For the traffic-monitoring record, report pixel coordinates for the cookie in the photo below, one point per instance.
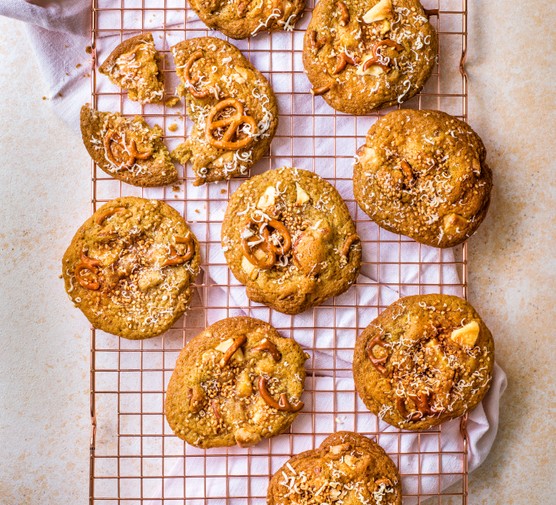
(237, 382)
(129, 268)
(423, 174)
(240, 19)
(362, 55)
(426, 359)
(135, 67)
(127, 149)
(287, 235)
(346, 468)
(232, 107)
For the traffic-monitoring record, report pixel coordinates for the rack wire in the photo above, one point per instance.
(135, 458)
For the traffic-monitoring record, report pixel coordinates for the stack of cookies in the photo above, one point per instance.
(288, 236)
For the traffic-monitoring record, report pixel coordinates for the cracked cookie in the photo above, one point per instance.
(127, 149)
(135, 67)
(129, 268)
(231, 104)
(237, 382)
(362, 55)
(425, 360)
(423, 174)
(346, 468)
(240, 19)
(289, 238)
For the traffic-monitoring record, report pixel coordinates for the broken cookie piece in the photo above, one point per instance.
(127, 148)
(134, 66)
(232, 106)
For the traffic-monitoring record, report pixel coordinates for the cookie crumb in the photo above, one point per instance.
(173, 127)
(172, 101)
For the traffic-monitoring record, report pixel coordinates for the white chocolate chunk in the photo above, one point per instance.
(467, 335)
(382, 10)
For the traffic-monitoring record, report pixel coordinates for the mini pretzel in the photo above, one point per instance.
(422, 402)
(178, 259)
(231, 123)
(283, 231)
(400, 405)
(197, 55)
(378, 363)
(120, 156)
(344, 13)
(270, 347)
(238, 342)
(103, 216)
(352, 239)
(132, 148)
(342, 61)
(283, 405)
(375, 60)
(322, 90)
(91, 265)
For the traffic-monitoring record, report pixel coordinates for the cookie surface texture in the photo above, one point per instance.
(346, 468)
(362, 55)
(127, 149)
(240, 19)
(287, 235)
(232, 106)
(426, 359)
(129, 268)
(237, 382)
(135, 66)
(423, 174)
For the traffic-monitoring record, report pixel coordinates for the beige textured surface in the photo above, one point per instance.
(44, 189)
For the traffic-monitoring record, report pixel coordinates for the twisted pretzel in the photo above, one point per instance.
(378, 363)
(238, 342)
(90, 264)
(178, 259)
(231, 123)
(283, 404)
(375, 60)
(197, 55)
(342, 61)
(270, 347)
(122, 153)
(270, 249)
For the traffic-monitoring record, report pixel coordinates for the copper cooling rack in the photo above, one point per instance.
(135, 458)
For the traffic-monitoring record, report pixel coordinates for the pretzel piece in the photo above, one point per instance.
(231, 124)
(283, 404)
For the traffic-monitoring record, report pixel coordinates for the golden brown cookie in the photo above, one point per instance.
(135, 66)
(426, 359)
(240, 19)
(237, 382)
(127, 149)
(129, 268)
(232, 106)
(423, 174)
(362, 55)
(288, 236)
(347, 468)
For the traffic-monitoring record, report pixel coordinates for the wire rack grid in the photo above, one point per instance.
(135, 458)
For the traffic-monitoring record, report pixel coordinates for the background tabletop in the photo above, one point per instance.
(45, 193)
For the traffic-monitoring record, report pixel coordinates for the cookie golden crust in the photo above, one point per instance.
(423, 174)
(127, 149)
(362, 55)
(426, 359)
(135, 66)
(347, 468)
(240, 19)
(289, 238)
(232, 106)
(237, 382)
(129, 268)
